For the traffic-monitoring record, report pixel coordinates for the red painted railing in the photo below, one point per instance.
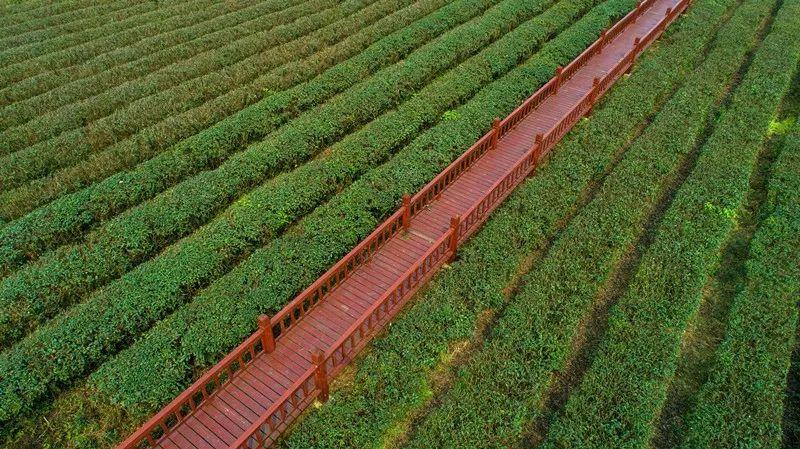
(451, 173)
(271, 423)
(264, 431)
(311, 296)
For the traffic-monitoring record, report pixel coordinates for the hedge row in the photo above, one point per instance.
(742, 402)
(502, 388)
(67, 217)
(21, 17)
(22, 12)
(73, 48)
(28, 13)
(57, 88)
(624, 389)
(23, 27)
(82, 127)
(78, 275)
(111, 250)
(192, 338)
(197, 104)
(396, 379)
(483, 283)
(136, 235)
(92, 331)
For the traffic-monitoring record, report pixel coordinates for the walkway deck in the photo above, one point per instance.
(249, 398)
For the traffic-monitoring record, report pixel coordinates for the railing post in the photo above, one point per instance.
(593, 95)
(603, 38)
(406, 211)
(663, 24)
(495, 132)
(633, 53)
(537, 143)
(455, 222)
(638, 9)
(537, 150)
(320, 374)
(559, 71)
(267, 339)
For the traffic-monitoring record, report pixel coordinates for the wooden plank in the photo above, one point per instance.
(202, 430)
(262, 383)
(176, 441)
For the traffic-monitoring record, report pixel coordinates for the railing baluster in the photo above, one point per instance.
(454, 225)
(495, 132)
(406, 211)
(267, 339)
(559, 72)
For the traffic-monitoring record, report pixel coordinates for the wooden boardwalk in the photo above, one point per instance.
(252, 395)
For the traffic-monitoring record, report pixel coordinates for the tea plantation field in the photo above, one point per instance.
(171, 169)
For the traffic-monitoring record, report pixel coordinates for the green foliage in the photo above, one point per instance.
(139, 233)
(73, 421)
(173, 31)
(21, 40)
(292, 63)
(63, 136)
(500, 390)
(217, 229)
(192, 337)
(93, 331)
(394, 379)
(68, 216)
(741, 405)
(28, 18)
(625, 387)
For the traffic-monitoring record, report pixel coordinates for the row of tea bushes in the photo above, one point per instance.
(133, 237)
(503, 387)
(156, 138)
(177, 30)
(263, 283)
(68, 218)
(625, 387)
(95, 329)
(395, 381)
(77, 124)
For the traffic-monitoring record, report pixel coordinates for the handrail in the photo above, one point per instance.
(609, 35)
(437, 185)
(325, 284)
(260, 432)
(221, 373)
(529, 104)
(257, 434)
(410, 279)
(187, 402)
